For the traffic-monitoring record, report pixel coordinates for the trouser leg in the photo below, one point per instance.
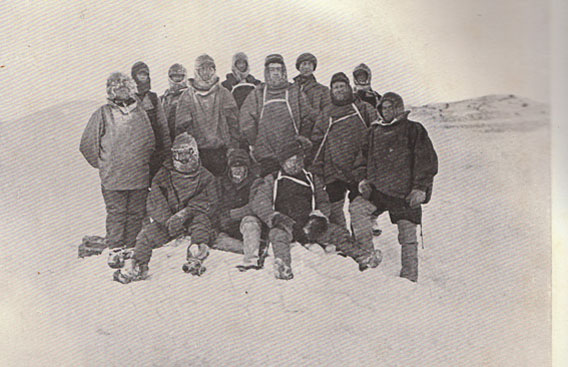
(224, 242)
(116, 208)
(280, 240)
(136, 210)
(337, 215)
(151, 236)
(360, 211)
(250, 229)
(409, 249)
(344, 243)
(200, 229)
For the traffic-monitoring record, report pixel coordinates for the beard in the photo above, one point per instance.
(186, 167)
(342, 99)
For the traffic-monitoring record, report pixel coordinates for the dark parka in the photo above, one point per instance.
(318, 94)
(240, 90)
(343, 154)
(401, 155)
(269, 139)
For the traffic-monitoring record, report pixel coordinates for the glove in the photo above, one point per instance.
(175, 224)
(316, 227)
(415, 198)
(283, 222)
(365, 189)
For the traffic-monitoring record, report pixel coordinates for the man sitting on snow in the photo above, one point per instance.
(289, 201)
(182, 202)
(240, 229)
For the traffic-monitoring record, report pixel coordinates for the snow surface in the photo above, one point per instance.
(483, 297)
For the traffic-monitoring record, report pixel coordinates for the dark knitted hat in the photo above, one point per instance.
(238, 157)
(339, 77)
(138, 67)
(274, 58)
(306, 57)
(289, 150)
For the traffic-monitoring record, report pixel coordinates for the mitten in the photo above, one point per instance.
(415, 198)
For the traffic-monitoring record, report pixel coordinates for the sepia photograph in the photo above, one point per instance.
(282, 183)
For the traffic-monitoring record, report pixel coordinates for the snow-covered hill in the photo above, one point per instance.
(482, 299)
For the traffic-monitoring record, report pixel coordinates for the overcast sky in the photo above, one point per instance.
(428, 50)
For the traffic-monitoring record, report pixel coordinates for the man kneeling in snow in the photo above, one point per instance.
(289, 201)
(182, 202)
(401, 166)
(240, 229)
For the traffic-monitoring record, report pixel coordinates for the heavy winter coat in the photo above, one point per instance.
(267, 129)
(211, 117)
(234, 198)
(171, 192)
(119, 141)
(170, 101)
(240, 89)
(318, 94)
(263, 198)
(340, 138)
(401, 158)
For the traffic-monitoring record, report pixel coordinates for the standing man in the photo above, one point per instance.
(340, 138)
(119, 142)
(362, 81)
(240, 82)
(401, 167)
(318, 94)
(177, 78)
(275, 113)
(150, 102)
(209, 113)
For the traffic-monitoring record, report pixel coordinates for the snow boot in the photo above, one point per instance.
(373, 260)
(194, 266)
(409, 261)
(117, 257)
(281, 270)
(92, 245)
(196, 254)
(132, 271)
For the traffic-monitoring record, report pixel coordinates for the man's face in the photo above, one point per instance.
(241, 65)
(185, 160)
(387, 111)
(238, 173)
(142, 76)
(340, 90)
(293, 165)
(361, 77)
(122, 93)
(276, 72)
(177, 77)
(206, 72)
(306, 68)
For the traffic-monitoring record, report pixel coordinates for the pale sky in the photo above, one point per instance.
(428, 50)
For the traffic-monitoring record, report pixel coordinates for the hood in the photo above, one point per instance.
(367, 84)
(275, 59)
(198, 82)
(398, 104)
(177, 69)
(139, 66)
(118, 80)
(240, 75)
(306, 57)
(238, 157)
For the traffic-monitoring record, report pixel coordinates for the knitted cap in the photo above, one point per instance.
(138, 67)
(185, 142)
(274, 58)
(238, 157)
(177, 69)
(306, 57)
(339, 77)
(289, 150)
(204, 60)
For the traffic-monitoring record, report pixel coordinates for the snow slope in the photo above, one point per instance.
(482, 299)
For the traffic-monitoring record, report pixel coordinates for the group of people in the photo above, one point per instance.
(245, 165)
